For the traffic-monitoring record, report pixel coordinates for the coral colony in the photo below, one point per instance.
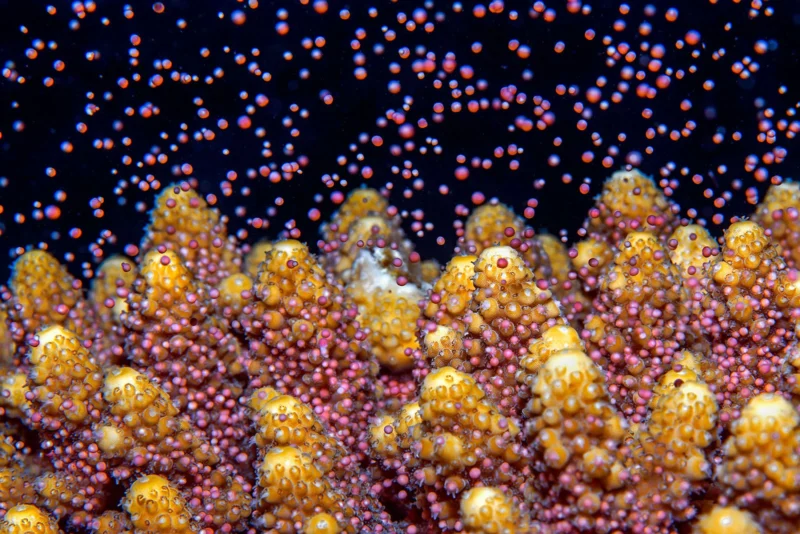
(640, 377)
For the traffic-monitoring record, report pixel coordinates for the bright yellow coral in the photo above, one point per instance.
(302, 332)
(629, 202)
(410, 415)
(282, 420)
(59, 493)
(390, 434)
(641, 303)
(592, 255)
(750, 286)
(166, 282)
(44, 293)
(388, 307)
(304, 470)
(156, 506)
(444, 388)
(457, 434)
(642, 272)
(690, 248)
(63, 377)
(290, 283)
(254, 258)
(441, 393)
(359, 204)
(760, 472)
(748, 254)
(292, 488)
(553, 340)
(127, 391)
(569, 388)
(674, 446)
(632, 194)
(113, 522)
(286, 469)
(779, 213)
(112, 275)
(13, 393)
(28, 519)
(687, 367)
(495, 224)
(16, 477)
(508, 311)
(486, 227)
(171, 320)
(577, 435)
(507, 296)
(452, 292)
(488, 510)
(321, 523)
(557, 254)
(444, 346)
(183, 222)
(15, 487)
(726, 520)
(231, 289)
(391, 316)
(383, 437)
(145, 416)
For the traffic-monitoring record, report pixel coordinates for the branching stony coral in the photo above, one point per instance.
(360, 203)
(305, 478)
(639, 321)
(181, 221)
(577, 438)
(760, 472)
(154, 505)
(488, 510)
(507, 311)
(645, 381)
(747, 313)
(496, 224)
(672, 450)
(385, 292)
(452, 292)
(691, 248)
(779, 213)
(42, 293)
(455, 439)
(630, 202)
(727, 520)
(304, 339)
(108, 296)
(254, 256)
(28, 519)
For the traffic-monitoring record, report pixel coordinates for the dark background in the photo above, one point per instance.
(50, 114)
